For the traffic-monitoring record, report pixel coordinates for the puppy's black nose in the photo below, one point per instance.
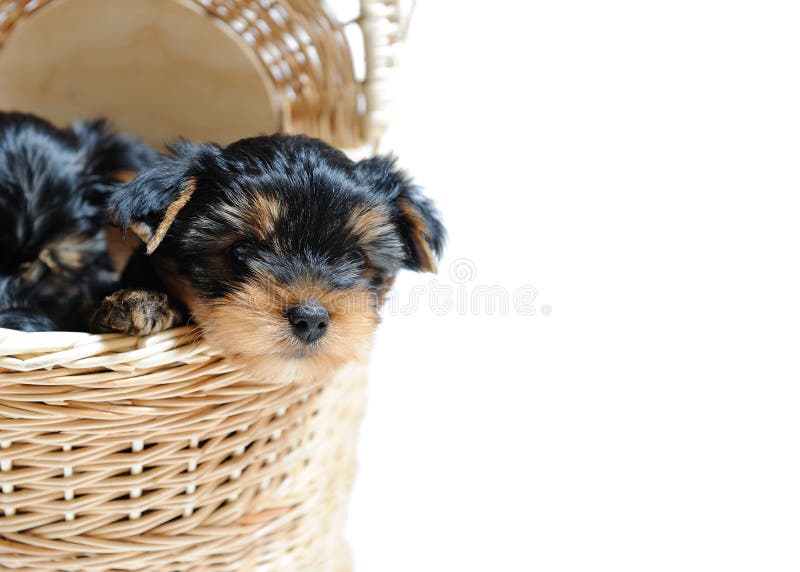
(309, 321)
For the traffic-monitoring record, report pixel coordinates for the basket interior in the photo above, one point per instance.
(214, 70)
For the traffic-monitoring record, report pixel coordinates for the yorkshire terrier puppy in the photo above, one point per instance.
(54, 186)
(279, 248)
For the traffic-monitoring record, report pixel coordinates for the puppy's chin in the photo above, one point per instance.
(279, 369)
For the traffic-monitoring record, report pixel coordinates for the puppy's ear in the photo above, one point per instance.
(148, 205)
(415, 215)
(117, 156)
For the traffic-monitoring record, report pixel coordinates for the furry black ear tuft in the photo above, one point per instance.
(416, 216)
(148, 205)
(116, 155)
(108, 157)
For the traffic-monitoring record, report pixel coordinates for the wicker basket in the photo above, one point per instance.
(156, 453)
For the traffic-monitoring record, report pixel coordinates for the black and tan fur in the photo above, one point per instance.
(54, 248)
(263, 241)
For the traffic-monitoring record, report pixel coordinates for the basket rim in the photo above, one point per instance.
(22, 351)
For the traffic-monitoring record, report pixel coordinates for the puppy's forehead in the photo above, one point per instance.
(254, 213)
(305, 215)
(297, 198)
(309, 198)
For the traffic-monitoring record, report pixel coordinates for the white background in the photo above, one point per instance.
(637, 163)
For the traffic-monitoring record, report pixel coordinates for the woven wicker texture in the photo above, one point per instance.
(122, 453)
(306, 55)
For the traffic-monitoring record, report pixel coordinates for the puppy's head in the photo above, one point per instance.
(281, 247)
(54, 185)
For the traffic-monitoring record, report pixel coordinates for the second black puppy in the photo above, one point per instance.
(280, 248)
(54, 185)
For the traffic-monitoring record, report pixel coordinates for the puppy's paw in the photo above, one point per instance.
(135, 313)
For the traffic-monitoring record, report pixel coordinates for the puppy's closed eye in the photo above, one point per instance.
(241, 253)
